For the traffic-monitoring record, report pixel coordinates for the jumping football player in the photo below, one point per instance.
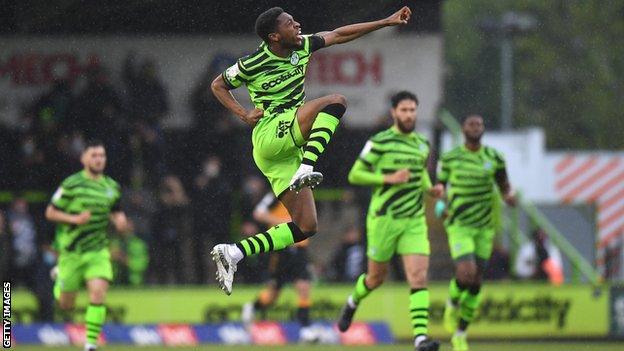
(289, 134)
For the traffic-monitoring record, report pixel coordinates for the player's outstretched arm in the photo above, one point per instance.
(222, 92)
(353, 31)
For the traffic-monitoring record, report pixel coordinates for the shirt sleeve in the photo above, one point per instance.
(234, 75)
(362, 171)
(316, 42)
(61, 198)
(370, 154)
(500, 161)
(116, 205)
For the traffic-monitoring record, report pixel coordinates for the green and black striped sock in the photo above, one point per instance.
(94, 320)
(276, 238)
(322, 131)
(419, 311)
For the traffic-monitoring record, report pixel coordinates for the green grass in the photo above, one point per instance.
(475, 346)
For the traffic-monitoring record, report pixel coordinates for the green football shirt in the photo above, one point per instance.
(471, 179)
(388, 152)
(79, 193)
(274, 83)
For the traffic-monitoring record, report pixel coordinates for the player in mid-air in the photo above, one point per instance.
(82, 208)
(289, 133)
(285, 266)
(471, 171)
(394, 163)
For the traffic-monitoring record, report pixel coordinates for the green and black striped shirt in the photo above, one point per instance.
(471, 179)
(388, 152)
(79, 193)
(275, 83)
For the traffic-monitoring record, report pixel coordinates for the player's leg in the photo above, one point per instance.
(302, 210)
(413, 246)
(381, 239)
(304, 225)
(269, 294)
(66, 300)
(317, 121)
(98, 274)
(416, 267)
(303, 287)
(461, 245)
(67, 280)
(265, 299)
(471, 274)
(367, 282)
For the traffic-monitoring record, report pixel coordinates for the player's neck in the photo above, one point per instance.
(400, 131)
(94, 176)
(279, 50)
(473, 146)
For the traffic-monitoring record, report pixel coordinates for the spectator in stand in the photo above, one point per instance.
(539, 259)
(98, 110)
(33, 168)
(5, 249)
(212, 212)
(27, 266)
(347, 262)
(130, 257)
(98, 114)
(151, 151)
(147, 96)
(52, 110)
(212, 123)
(498, 266)
(171, 255)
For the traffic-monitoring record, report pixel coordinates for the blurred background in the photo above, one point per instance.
(547, 76)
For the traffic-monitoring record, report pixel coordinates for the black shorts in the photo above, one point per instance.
(289, 265)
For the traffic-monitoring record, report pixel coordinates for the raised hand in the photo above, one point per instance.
(400, 17)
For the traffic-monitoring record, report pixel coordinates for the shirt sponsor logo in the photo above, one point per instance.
(284, 77)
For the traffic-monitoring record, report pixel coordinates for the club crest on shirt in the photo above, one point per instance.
(487, 165)
(294, 58)
(109, 193)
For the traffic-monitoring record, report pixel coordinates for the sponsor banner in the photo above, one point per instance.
(177, 334)
(366, 71)
(508, 309)
(617, 311)
(261, 333)
(77, 334)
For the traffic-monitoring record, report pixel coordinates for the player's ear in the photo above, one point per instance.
(274, 37)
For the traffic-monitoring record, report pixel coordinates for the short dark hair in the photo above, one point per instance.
(266, 23)
(93, 143)
(403, 95)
